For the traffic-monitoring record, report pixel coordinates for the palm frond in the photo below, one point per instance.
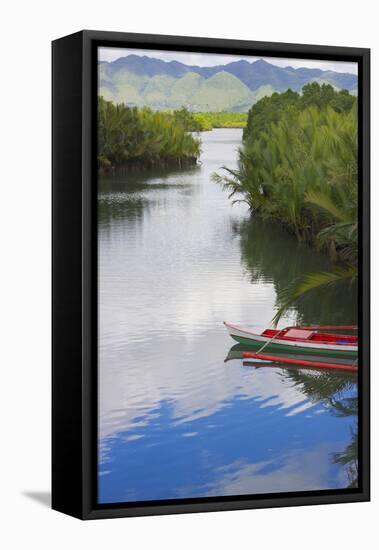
(326, 203)
(289, 296)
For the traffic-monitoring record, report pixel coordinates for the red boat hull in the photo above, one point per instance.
(301, 362)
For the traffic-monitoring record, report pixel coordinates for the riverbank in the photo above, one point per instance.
(298, 166)
(138, 138)
(141, 165)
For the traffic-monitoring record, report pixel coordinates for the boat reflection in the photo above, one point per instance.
(237, 351)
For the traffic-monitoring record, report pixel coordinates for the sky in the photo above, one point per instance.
(209, 60)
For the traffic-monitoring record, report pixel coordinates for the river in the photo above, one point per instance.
(176, 259)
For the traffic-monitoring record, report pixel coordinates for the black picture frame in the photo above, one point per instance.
(74, 294)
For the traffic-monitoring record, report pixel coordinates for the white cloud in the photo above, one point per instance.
(297, 471)
(209, 60)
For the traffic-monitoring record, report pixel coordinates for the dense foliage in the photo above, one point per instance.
(210, 120)
(129, 135)
(187, 119)
(298, 167)
(199, 122)
(278, 106)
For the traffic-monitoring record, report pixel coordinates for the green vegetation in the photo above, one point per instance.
(199, 122)
(188, 120)
(278, 107)
(127, 135)
(298, 167)
(210, 120)
(270, 253)
(337, 392)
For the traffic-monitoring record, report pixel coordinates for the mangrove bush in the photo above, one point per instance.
(298, 167)
(128, 135)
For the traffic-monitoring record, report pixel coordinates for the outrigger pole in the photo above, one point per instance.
(301, 362)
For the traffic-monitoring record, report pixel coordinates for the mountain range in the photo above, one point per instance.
(141, 80)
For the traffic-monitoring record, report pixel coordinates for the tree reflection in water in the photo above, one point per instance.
(270, 254)
(339, 393)
(349, 458)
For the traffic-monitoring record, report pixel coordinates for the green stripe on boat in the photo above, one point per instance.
(298, 349)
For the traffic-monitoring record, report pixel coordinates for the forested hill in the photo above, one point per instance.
(145, 81)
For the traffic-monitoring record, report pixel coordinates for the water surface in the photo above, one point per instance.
(176, 259)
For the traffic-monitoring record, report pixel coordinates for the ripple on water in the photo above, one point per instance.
(176, 259)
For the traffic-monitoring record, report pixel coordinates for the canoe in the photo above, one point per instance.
(263, 358)
(296, 340)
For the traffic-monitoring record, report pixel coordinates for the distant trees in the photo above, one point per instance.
(202, 121)
(128, 135)
(269, 110)
(210, 120)
(188, 120)
(279, 105)
(321, 96)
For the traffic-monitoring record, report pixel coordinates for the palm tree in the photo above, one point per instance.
(311, 282)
